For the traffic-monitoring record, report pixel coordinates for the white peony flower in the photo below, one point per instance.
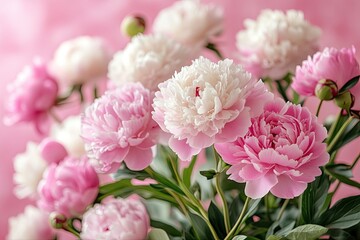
(207, 103)
(148, 59)
(275, 43)
(29, 168)
(68, 134)
(33, 224)
(190, 22)
(80, 60)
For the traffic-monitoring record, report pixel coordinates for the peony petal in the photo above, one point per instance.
(288, 188)
(138, 159)
(260, 187)
(182, 149)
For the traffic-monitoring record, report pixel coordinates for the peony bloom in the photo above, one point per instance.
(68, 188)
(31, 96)
(29, 168)
(148, 59)
(190, 23)
(207, 103)
(118, 127)
(117, 219)
(276, 43)
(68, 133)
(80, 60)
(282, 151)
(337, 65)
(33, 224)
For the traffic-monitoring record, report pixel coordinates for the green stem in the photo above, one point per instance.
(221, 192)
(338, 134)
(355, 161)
(333, 127)
(319, 107)
(239, 220)
(71, 229)
(282, 210)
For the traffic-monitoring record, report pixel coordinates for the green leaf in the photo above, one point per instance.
(125, 173)
(314, 198)
(235, 209)
(166, 182)
(344, 214)
(349, 84)
(339, 234)
(253, 206)
(351, 133)
(306, 232)
(188, 172)
(157, 234)
(166, 227)
(200, 227)
(343, 173)
(273, 237)
(209, 174)
(216, 219)
(243, 237)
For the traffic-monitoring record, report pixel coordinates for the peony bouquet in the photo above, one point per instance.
(179, 146)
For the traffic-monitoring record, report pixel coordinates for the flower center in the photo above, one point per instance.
(197, 91)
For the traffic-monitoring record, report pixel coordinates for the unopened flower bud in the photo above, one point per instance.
(57, 220)
(326, 89)
(132, 25)
(345, 100)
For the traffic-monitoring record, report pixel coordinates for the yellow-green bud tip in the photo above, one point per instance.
(132, 25)
(345, 100)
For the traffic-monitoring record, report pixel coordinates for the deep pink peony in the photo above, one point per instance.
(337, 65)
(118, 127)
(31, 96)
(116, 219)
(207, 103)
(281, 152)
(68, 188)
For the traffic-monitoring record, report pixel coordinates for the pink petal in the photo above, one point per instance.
(287, 188)
(260, 187)
(270, 156)
(182, 149)
(138, 159)
(248, 172)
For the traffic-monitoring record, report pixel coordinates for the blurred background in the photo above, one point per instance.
(37, 27)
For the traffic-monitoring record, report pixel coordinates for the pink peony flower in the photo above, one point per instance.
(118, 127)
(207, 103)
(281, 152)
(190, 23)
(337, 65)
(276, 42)
(117, 219)
(68, 188)
(31, 96)
(33, 224)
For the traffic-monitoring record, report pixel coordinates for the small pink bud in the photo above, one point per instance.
(57, 220)
(133, 25)
(52, 151)
(326, 89)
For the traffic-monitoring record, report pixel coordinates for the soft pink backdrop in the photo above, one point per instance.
(29, 28)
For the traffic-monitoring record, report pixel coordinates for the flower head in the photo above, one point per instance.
(118, 127)
(189, 22)
(68, 188)
(148, 59)
(333, 64)
(281, 152)
(32, 224)
(80, 60)
(206, 103)
(31, 96)
(276, 43)
(116, 219)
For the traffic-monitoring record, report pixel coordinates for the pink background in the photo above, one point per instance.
(30, 28)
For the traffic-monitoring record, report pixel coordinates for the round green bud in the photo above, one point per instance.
(326, 89)
(132, 25)
(57, 220)
(345, 100)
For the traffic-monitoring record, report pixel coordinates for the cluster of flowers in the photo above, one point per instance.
(162, 92)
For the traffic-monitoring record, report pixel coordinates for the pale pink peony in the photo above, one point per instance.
(31, 96)
(32, 224)
(80, 60)
(68, 188)
(148, 59)
(282, 151)
(116, 219)
(337, 65)
(207, 103)
(190, 22)
(276, 42)
(118, 127)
